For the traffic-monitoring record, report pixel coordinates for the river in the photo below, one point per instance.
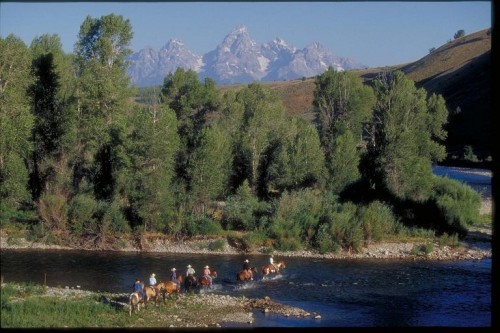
(346, 293)
(357, 293)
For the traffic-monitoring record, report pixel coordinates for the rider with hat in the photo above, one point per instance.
(173, 276)
(190, 271)
(206, 273)
(138, 287)
(152, 280)
(246, 267)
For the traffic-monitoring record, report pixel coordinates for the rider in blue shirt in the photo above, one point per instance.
(173, 276)
(139, 288)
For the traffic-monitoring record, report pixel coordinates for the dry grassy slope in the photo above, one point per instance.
(297, 95)
(459, 70)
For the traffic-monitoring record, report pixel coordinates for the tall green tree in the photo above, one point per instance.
(296, 160)
(210, 167)
(192, 102)
(16, 121)
(152, 147)
(262, 123)
(104, 97)
(342, 105)
(402, 148)
(51, 111)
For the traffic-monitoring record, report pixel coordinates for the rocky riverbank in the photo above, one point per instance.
(477, 245)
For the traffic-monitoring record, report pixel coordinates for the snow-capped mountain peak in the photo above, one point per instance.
(237, 59)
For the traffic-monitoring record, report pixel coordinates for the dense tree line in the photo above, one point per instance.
(79, 151)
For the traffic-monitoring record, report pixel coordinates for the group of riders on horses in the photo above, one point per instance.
(247, 274)
(139, 286)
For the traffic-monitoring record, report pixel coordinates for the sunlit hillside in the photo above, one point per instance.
(459, 70)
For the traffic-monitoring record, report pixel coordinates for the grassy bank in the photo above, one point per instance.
(30, 306)
(36, 306)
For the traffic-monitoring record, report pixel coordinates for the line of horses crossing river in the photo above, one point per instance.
(193, 283)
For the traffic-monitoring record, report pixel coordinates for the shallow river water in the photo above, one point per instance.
(357, 293)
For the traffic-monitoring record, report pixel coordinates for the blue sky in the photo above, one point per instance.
(373, 33)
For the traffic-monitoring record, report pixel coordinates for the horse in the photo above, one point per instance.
(270, 268)
(190, 282)
(246, 275)
(203, 281)
(150, 292)
(169, 288)
(135, 302)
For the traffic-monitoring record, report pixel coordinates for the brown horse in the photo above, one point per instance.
(135, 302)
(246, 275)
(203, 281)
(150, 293)
(168, 288)
(269, 268)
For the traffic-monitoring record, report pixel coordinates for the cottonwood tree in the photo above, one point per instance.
(192, 101)
(16, 121)
(152, 148)
(403, 143)
(210, 167)
(262, 123)
(52, 111)
(104, 97)
(342, 104)
(295, 160)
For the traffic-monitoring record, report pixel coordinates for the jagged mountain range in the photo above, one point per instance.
(238, 59)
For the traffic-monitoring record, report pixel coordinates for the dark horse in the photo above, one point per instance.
(190, 282)
(203, 281)
(246, 275)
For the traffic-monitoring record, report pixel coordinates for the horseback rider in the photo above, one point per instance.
(152, 282)
(138, 286)
(173, 276)
(246, 267)
(206, 273)
(190, 271)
